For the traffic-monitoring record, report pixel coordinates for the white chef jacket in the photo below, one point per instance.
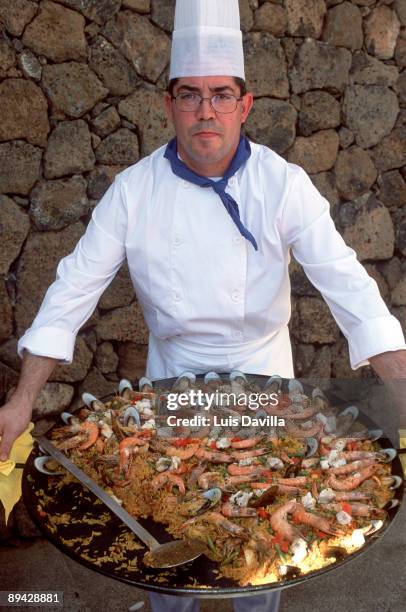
(210, 300)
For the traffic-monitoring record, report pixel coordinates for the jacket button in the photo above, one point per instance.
(177, 297)
(176, 241)
(185, 184)
(235, 296)
(237, 239)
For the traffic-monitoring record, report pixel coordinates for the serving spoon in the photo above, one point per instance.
(170, 554)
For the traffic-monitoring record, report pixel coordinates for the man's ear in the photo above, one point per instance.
(168, 106)
(246, 105)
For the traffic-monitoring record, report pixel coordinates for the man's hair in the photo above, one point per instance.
(238, 81)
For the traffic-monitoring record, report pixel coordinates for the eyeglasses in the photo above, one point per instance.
(189, 102)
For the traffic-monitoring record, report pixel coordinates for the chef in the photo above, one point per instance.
(207, 224)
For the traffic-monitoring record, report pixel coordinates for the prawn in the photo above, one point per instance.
(358, 509)
(210, 479)
(185, 453)
(351, 467)
(213, 456)
(161, 479)
(247, 443)
(351, 495)
(295, 431)
(87, 430)
(231, 510)
(237, 455)
(220, 521)
(308, 518)
(128, 447)
(279, 521)
(352, 482)
(243, 470)
(299, 481)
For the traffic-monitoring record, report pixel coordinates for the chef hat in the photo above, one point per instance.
(207, 39)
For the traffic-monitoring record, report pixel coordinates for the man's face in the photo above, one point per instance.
(207, 139)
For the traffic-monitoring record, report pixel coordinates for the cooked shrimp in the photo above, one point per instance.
(87, 434)
(248, 443)
(299, 481)
(357, 455)
(355, 466)
(243, 470)
(128, 447)
(351, 495)
(287, 490)
(314, 520)
(307, 413)
(237, 455)
(231, 510)
(195, 473)
(298, 432)
(161, 479)
(236, 480)
(358, 509)
(213, 456)
(182, 453)
(210, 479)
(219, 520)
(352, 482)
(279, 521)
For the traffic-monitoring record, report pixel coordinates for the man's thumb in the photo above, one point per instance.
(5, 446)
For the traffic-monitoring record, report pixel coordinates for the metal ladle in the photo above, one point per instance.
(171, 554)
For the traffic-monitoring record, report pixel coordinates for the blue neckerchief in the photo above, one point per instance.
(242, 154)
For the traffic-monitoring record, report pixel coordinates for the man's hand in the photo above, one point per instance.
(16, 413)
(14, 418)
(391, 368)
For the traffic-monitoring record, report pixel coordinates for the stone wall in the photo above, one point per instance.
(81, 85)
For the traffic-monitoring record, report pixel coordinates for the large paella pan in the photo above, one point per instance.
(275, 505)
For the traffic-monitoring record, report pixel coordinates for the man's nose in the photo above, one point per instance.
(205, 110)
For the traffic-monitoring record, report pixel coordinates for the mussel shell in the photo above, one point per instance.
(397, 482)
(189, 375)
(312, 445)
(39, 463)
(88, 399)
(387, 454)
(290, 571)
(375, 434)
(66, 417)
(350, 410)
(123, 385)
(237, 374)
(131, 413)
(392, 503)
(317, 392)
(375, 526)
(295, 386)
(266, 498)
(145, 382)
(274, 380)
(335, 551)
(213, 495)
(211, 376)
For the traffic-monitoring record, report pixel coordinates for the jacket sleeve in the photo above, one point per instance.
(332, 267)
(81, 278)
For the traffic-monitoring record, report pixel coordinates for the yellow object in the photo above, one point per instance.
(10, 476)
(402, 437)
